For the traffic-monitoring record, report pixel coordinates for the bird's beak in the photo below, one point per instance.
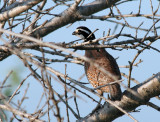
(74, 33)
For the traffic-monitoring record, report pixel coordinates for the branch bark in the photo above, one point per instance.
(72, 15)
(20, 113)
(148, 89)
(17, 8)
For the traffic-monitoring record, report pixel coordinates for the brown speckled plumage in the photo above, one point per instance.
(95, 76)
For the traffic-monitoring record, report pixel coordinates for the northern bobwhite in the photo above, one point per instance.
(103, 59)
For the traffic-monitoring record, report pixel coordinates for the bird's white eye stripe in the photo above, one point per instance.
(84, 31)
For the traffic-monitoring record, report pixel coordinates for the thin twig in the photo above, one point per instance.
(19, 86)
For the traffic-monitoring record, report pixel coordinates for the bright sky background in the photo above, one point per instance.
(149, 66)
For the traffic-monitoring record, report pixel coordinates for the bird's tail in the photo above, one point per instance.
(115, 92)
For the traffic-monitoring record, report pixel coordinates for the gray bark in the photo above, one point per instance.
(148, 89)
(17, 8)
(72, 15)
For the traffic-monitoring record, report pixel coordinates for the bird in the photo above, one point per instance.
(101, 57)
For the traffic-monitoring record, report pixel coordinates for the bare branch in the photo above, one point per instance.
(69, 17)
(17, 8)
(129, 102)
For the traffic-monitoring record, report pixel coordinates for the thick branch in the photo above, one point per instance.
(148, 89)
(68, 16)
(72, 15)
(17, 8)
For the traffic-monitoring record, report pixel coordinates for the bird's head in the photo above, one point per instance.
(84, 33)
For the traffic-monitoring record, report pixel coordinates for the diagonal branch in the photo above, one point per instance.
(148, 89)
(7, 107)
(72, 15)
(17, 8)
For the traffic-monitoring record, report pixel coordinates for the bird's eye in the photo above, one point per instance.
(79, 31)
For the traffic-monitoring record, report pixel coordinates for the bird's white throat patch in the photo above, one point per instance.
(80, 36)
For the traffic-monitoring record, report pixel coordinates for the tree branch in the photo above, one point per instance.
(72, 15)
(20, 113)
(148, 89)
(17, 8)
